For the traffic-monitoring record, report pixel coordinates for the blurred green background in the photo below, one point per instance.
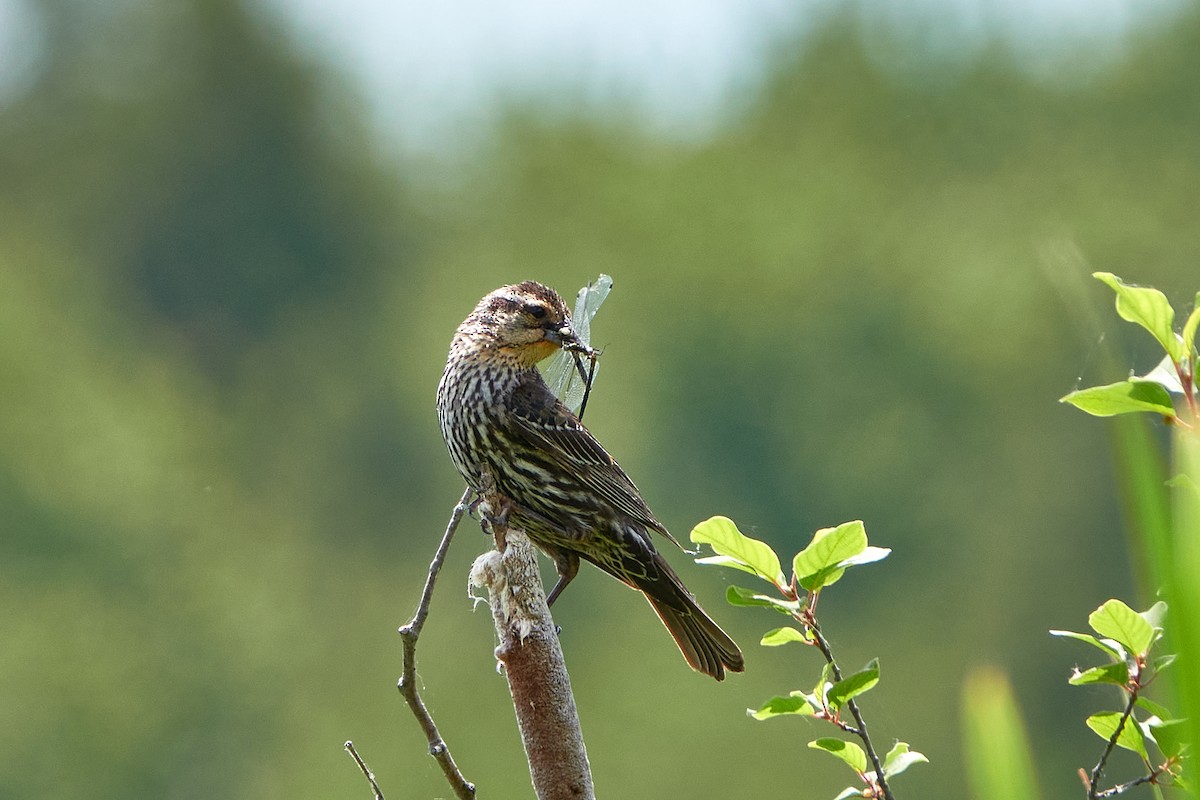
(225, 306)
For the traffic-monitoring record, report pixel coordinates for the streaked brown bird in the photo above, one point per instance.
(568, 494)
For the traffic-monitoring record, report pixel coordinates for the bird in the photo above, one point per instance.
(508, 434)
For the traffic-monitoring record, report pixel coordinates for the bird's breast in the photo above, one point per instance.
(470, 401)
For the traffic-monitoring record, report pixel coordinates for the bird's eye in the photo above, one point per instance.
(536, 311)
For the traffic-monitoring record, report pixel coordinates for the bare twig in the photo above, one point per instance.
(463, 789)
(362, 765)
(861, 731)
(1121, 788)
(533, 663)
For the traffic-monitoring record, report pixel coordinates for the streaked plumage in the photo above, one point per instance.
(569, 495)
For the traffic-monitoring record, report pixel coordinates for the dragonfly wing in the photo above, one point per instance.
(561, 370)
(590, 297)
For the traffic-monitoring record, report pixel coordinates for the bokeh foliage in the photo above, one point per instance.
(223, 312)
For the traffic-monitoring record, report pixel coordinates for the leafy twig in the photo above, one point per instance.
(1098, 770)
(810, 621)
(823, 562)
(463, 789)
(1126, 637)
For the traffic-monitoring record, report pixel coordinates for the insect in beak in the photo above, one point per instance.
(567, 339)
(593, 356)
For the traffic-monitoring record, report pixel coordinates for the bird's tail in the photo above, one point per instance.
(704, 645)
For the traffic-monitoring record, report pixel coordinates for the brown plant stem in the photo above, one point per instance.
(533, 664)
(366, 771)
(1121, 788)
(861, 732)
(1098, 770)
(463, 789)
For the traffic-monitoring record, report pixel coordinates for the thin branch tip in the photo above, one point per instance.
(366, 771)
(406, 685)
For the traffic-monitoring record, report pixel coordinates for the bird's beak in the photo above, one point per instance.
(565, 338)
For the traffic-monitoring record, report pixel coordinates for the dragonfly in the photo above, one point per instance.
(564, 371)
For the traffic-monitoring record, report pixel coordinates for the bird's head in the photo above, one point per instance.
(527, 321)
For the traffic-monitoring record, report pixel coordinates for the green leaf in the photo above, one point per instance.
(868, 556)
(1116, 672)
(819, 564)
(778, 636)
(1155, 615)
(848, 752)
(1154, 708)
(1165, 375)
(723, 536)
(1146, 307)
(1127, 397)
(1170, 735)
(1105, 725)
(900, 758)
(727, 561)
(1107, 645)
(741, 596)
(819, 580)
(862, 681)
(1121, 623)
(792, 705)
(1163, 661)
(1190, 327)
(821, 690)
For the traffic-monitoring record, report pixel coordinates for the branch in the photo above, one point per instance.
(463, 789)
(1094, 780)
(1121, 788)
(362, 765)
(861, 732)
(533, 664)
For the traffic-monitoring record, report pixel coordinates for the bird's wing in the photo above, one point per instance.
(546, 424)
